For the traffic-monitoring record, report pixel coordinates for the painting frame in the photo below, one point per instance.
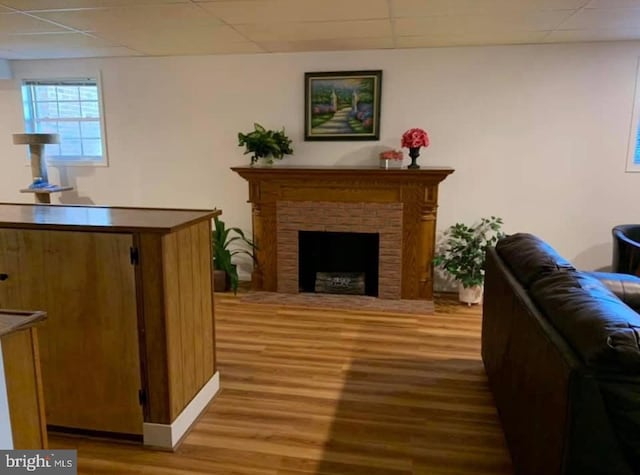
(357, 103)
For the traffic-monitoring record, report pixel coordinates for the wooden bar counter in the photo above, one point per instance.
(128, 348)
(22, 413)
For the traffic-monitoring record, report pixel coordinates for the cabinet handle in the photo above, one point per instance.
(4, 277)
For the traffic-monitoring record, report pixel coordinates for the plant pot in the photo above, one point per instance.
(470, 295)
(220, 281)
(264, 162)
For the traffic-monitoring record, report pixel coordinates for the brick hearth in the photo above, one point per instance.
(382, 218)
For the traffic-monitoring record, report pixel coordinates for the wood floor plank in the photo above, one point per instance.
(313, 391)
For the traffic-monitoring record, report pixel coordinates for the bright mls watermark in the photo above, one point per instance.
(50, 462)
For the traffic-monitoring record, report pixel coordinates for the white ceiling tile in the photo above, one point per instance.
(186, 36)
(488, 38)
(271, 11)
(459, 25)
(346, 44)
(34, 5)
(200, 40)
(53, 45)
(614, 18)
(414, 8)
(129, 18)
(613, 3)
(622, 34)
(19, 23)
(49, 51)
(177, 49)
(60, 39)
(316, 30)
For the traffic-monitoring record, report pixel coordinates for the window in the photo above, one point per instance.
(633, 159)
(70, 108)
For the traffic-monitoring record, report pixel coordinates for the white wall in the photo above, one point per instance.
(537, 134)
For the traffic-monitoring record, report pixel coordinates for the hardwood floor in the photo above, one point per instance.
(310, 391)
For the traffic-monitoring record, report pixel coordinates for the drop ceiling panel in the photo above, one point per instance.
(605, 19)
(53, 51)
(457, 25)
(613, 3)
(488, 38)
(19, 23)
(30, 5)
(327, 45)
(61, 45)
(14, 42)
(272, 11)
(622, 34)
(316, 30)
(179, 41)
(414, 8)
(133, 18)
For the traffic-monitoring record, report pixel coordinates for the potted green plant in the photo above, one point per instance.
(266, 144)
(462, 255)
(228, 242)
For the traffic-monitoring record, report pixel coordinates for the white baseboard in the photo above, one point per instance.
(167, 436)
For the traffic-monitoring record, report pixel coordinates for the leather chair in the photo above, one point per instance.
(626, 249)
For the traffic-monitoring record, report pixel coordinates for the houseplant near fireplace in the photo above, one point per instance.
(265, 144)
(222, 240)
(462, 255)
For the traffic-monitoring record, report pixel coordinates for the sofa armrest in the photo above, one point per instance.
(625, 286)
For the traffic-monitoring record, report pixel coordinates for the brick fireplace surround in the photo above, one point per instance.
(401, 205)
(382, 218)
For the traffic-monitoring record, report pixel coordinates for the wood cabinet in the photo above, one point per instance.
(129, 341)
(22, 413)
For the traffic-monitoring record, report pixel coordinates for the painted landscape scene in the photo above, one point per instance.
(342, 106)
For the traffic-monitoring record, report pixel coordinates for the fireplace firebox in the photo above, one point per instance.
(343, 257)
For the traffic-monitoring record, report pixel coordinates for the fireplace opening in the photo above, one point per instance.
(334, 262)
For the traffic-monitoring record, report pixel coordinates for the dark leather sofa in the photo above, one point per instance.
(561, 351)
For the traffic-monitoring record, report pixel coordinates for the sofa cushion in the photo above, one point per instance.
(625, 286)
(530, 258)
(597, 324)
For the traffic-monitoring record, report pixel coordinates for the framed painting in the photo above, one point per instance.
(342, 105)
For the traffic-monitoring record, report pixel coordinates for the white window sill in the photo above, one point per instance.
(75, 163)
(633, 167)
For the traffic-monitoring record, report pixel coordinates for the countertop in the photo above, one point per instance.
(13, 320)
(98, 218)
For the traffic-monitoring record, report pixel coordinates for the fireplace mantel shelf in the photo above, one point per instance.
(319, 172)
(400, 204)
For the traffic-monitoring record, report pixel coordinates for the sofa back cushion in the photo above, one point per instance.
(530, 258)
(597, 324)
(625, 286)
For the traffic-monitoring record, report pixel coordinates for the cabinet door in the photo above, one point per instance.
(89, 342)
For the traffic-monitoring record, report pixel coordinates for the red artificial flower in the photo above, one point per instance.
(391, 155)
(415, 138)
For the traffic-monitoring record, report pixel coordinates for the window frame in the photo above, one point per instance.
(632, 166)
(102, 161)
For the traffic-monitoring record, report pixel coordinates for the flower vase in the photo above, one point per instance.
(414, 153)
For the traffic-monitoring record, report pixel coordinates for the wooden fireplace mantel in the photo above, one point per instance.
(416, 190)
